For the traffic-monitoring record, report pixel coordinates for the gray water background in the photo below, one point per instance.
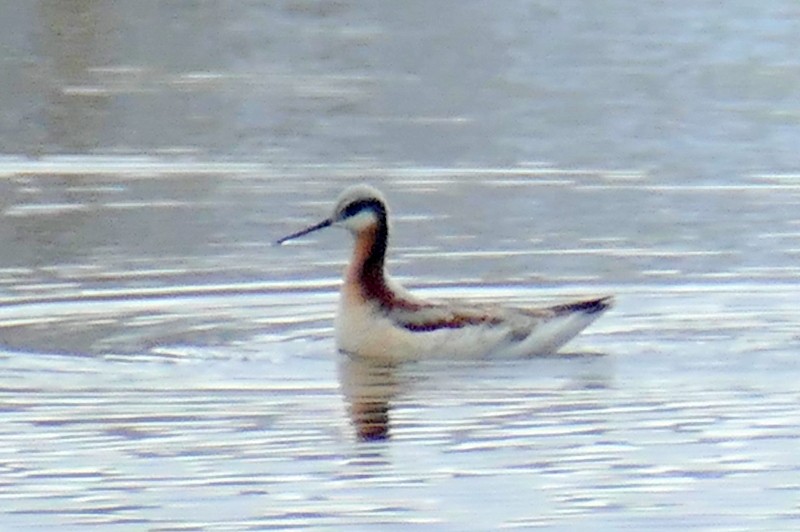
(164, 367)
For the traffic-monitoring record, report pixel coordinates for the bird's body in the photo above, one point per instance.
(378, 319)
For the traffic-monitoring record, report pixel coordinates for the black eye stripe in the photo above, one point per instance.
(358, 206)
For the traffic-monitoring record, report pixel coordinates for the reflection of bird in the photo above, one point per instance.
(369, 388)
(377, 318)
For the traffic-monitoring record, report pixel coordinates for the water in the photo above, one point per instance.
(164, 367)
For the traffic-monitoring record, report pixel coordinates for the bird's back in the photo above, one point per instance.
(426, 329)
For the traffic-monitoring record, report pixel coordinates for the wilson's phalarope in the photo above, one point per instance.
(377, 318)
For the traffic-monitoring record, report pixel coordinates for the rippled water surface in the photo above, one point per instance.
(163, 366)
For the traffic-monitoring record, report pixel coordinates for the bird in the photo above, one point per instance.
(378, 319)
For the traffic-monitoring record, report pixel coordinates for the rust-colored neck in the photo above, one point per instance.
(367, 265)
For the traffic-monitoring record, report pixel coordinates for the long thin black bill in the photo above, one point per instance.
(322, 225)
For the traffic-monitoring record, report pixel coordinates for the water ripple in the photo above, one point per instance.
(265, 431)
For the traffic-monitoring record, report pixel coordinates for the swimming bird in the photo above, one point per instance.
(379, 319)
